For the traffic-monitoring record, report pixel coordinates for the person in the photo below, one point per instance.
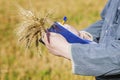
(101, 60)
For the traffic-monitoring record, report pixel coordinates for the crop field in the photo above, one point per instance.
(17, 63)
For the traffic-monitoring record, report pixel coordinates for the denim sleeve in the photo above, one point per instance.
(96, 59)
(95, 29)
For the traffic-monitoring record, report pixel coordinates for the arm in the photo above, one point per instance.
(95, 29)
(87, 59)
(96, 59)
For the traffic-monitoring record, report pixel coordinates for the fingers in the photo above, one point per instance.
(47, 39)
(44, 38)
(71, 29)
(81, 35)
(85, 35)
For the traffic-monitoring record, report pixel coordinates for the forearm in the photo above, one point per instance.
(95, 59)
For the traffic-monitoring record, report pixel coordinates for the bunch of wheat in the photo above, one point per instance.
(31, 27)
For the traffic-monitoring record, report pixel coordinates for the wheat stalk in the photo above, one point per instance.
(31, 27)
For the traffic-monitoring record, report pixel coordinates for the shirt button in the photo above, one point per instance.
(106, 31)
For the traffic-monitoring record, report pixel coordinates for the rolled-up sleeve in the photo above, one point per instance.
(96, 59)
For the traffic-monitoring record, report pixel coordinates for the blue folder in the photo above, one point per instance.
(70, 37)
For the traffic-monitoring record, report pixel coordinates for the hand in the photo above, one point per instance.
(81, 34)
(57, 45)
(71, 29)
(85, 35)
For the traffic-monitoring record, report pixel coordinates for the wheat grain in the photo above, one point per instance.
(31, 27)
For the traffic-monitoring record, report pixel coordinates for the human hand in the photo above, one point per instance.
(85, 35)
(57, 45)
(71, 29)
(81, 34)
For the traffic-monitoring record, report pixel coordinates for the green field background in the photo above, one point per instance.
(18, 64)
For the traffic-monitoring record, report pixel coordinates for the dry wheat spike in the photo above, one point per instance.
(31, 27)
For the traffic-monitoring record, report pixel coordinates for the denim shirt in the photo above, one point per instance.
(102, 58)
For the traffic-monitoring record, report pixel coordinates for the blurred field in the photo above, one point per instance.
(18, 64)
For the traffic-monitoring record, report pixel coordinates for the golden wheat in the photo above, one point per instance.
(31, 26)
